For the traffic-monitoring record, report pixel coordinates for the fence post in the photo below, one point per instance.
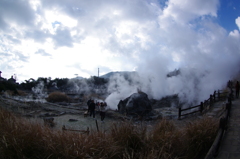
(201, 107)
(179, 113)
(205, 103)
(97, 125)
(214, 96)
(223, 123)
(228, 107)
(211, 100)
(230, 99)
(231, 94)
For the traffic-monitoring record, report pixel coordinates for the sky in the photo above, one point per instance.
(69, 38)
(62, 38)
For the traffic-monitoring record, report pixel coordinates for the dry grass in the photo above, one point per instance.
(129, 140)
(21, 93)
(200, 136)
(166, 140)
(57, 97)
(9, 92)
(20, 138)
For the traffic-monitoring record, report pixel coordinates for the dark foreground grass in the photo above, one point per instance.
(22, 139)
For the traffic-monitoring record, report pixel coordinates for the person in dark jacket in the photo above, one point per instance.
(92, 107)
(88, 104)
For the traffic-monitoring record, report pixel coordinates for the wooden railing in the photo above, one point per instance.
(223, 122)
(204, 106)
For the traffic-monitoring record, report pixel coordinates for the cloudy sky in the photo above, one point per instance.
(61, 38)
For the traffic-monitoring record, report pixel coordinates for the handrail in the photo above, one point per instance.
(190, 107)
(217, 96)
(213, 151)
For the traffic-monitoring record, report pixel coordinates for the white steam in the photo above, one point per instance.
(205, 65)
(39, 90)
(119, 88)
(187, 37)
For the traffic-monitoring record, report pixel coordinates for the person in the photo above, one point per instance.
(88, 104)
(237, 89)
(103, 110)
(230, 84)
(92, 107)
(97, 106)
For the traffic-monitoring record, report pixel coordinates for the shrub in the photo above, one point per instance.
(57, 97)
(21, 93)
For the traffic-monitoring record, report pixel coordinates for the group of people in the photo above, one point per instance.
(99, 106)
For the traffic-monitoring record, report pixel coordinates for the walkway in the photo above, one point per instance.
(230, 145)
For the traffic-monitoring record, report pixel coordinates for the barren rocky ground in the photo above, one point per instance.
(71, 115)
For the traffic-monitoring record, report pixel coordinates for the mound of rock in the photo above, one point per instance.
(136, 104)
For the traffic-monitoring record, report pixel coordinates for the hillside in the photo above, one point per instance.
(121, 73)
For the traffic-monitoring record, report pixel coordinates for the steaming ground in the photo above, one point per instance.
(191, 85)
(32, 110)
(35, 111)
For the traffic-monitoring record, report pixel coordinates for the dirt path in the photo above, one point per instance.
(230, 145)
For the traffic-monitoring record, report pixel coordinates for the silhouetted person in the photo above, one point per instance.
(103, 110)
(88, 104)
(230, 84)
(92, 107)
(237, 89)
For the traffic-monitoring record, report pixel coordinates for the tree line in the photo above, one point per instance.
(59, 83)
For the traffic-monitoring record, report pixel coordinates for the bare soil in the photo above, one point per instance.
(71, 115)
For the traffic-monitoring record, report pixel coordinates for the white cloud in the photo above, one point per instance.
(60, 38)
(238, 22)
(53, 16)
(184, 11)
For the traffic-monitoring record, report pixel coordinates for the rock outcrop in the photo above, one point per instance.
(136, 104)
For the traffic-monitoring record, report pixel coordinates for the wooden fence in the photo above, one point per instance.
(223, 122)
(204, 106)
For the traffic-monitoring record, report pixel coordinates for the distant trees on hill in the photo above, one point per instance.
(62, 83)
(48, 82)
(98, 80)
(65, 84)
(6, 85)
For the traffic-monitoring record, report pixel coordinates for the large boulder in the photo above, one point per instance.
(136, 104)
